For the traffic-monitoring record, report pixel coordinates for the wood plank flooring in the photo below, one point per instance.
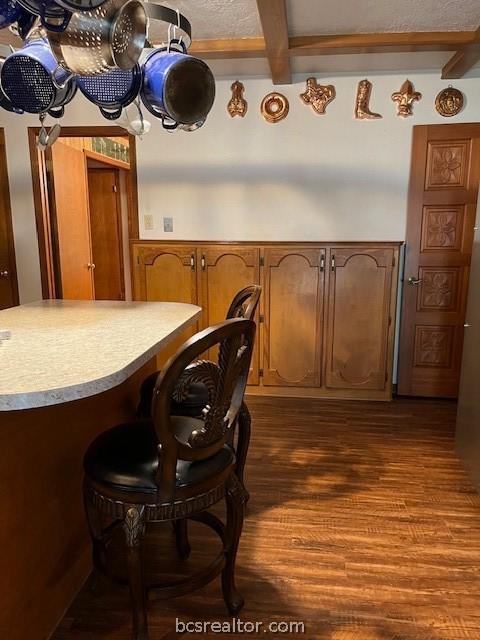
(362, 524)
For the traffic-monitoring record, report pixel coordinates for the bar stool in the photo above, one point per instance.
(173, 467)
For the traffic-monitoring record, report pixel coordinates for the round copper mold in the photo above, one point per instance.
(449, 102)
(274, 107)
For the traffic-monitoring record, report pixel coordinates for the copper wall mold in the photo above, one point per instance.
(405, 99)
(449, 102)
(362, 108)
(237, 105)
(318, 96)
(274, 107)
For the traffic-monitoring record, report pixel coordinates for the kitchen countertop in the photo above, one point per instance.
(62, 350)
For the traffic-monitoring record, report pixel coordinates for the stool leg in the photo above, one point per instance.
(134, 529)
(243, 442)
(235, 498)
(94, 521)
(180, 528)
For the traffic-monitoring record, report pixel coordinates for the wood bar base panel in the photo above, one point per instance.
(44, 542)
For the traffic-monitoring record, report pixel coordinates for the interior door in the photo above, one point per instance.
(293, 302)
(69, 195)
(8, 279)
(225, 271)
(445, 174)
(359, 306)
(106, 232)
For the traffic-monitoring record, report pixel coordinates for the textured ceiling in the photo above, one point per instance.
(213, 19)
(311, 17)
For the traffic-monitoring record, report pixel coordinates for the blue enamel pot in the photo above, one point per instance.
(177, 87)
(32, 79)
(10, 12)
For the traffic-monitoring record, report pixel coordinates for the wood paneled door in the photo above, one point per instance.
(445, 174)
(359, 307)
(106, 233)
(8, 275)
(293, 302)
(226, 270)
(69, 201)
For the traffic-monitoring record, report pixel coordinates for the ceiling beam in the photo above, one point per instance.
(273, 16)
(463, 60)
(336, 45)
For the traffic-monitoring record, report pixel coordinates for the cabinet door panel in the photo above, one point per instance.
(166, 274)
(358, 318)
(225, 271)
(294, 290)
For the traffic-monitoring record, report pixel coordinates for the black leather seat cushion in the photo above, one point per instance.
(126, 457)
(192, 405)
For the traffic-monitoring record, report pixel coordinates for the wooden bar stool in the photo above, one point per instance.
(173, 467)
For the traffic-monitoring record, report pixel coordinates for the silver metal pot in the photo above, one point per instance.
(110, 36)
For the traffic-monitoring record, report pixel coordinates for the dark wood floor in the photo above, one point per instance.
(361, 523)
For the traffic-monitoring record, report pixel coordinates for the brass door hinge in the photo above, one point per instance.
(261, 318)
(262, 261)
(260, 373)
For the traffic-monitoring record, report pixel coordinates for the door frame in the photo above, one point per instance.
(42, 213)
(8, 214)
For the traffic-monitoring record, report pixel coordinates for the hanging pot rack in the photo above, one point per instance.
(49, 32)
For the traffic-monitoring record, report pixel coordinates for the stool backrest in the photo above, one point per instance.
(226, 383)
(245, 303)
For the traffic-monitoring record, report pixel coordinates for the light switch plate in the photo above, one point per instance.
(148, 222)
(168, 225)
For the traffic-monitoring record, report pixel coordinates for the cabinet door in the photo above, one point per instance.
(165, 273)
(358, 317)
(226, 270)
(294, 292)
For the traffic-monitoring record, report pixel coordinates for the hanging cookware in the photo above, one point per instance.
(52, 16)
(177, 88)
(24, 24)
(112, 35)
(112, 91)
(4, 101)
(10, 12)
(33, 80)
(59, 109)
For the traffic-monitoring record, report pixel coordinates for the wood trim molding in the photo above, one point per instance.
(273, 16)
(337, 44)
(463, 60)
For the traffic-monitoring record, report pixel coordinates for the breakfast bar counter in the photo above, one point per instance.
(68, 371)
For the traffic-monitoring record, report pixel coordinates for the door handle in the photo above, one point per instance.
(322, 262)
(466, 325)
(4, 274)
(414, 281)
(91, 265)
(192, 261)
(333, 263)
(203, 263)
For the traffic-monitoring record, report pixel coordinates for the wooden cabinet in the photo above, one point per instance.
(359, 308)
(165, 273)
(327, 312)
(225, 270)
(293, 302)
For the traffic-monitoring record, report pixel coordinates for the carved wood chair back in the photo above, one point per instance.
(226, 384)
(245, 303)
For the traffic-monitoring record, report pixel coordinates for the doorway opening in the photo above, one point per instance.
(8, 274)
(85, 193)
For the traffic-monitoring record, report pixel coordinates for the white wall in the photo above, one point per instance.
(307, 178)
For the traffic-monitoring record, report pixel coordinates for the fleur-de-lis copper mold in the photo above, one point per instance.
(318, 96)
(449, 102)
(362, 103)
(405, 99)
(237, 105)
